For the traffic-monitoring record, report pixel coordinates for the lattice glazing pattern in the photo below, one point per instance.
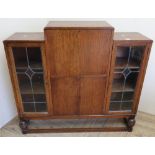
(127, 67)
(30, 76)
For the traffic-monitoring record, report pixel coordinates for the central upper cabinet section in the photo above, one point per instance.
(78, 48)
(78, 56)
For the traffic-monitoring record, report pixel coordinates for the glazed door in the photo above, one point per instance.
(78, 63)
(129, 68)
(28, 69)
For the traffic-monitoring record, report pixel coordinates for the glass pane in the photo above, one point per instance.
(41, 107)
(24, 83)
(40, 97)
(30, 76)
(28, 107)
(34, 54)
(127, 65)
(128, 96)
(126, 105)
(129, 56)
(122, 54)
(115, 106)
(118, 82)
(20, 59)
(131, 80)
(38, 85)
(136, 56)
(116, 96)
(27, 97)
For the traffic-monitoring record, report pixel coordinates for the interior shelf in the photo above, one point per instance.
(35, 107)
(37, 87)
(119, 106)
(122, 96)
(33, 65)
(33, 97)
(122, 63)
(118, 86)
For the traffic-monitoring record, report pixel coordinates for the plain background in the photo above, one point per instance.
(9, 26)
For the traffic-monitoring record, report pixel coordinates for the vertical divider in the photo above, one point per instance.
(47, 80)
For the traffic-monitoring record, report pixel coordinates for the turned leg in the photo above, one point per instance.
(130, 122)
(24, 125)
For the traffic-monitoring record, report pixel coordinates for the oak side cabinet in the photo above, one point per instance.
(77, 76)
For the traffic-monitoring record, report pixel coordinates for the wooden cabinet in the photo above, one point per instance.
(77, 70)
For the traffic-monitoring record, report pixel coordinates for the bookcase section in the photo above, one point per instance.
(29, 70)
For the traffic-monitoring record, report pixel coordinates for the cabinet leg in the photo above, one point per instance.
(130, 122)
(24, 125)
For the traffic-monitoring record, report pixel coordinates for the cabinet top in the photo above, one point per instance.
(127, 36)
(78, 25)
(26, 37)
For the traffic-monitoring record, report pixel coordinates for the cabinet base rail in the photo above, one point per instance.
(61, 130)
(25, 128)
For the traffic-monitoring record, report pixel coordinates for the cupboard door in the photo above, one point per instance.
(30, 76)
(125, 75)
(65, 96)
(92, 92)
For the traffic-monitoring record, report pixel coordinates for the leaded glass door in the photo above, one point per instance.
(30, 75)
(126, 71)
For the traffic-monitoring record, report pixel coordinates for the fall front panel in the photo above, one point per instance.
(78, 52)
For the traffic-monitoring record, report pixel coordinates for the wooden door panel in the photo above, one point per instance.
(92, 95)
(65, 96)
(78, 52)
